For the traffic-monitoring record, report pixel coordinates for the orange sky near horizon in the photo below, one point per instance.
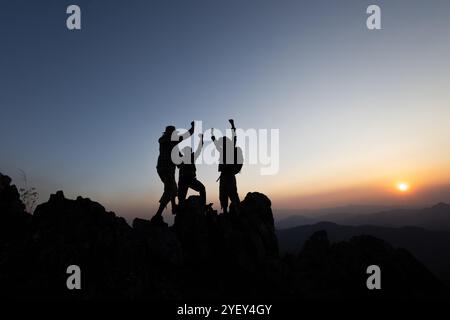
(426, 187)
(374, 189)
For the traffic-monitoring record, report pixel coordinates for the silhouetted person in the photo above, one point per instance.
(166, 168)
(230, 163)
(188, 176)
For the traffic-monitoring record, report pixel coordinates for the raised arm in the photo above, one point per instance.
(216, 143)
(199, 148)
(187, 134)
(233, 132)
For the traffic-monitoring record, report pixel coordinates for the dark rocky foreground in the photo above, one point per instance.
(203, 256)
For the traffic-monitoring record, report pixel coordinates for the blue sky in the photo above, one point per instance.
(82, 110)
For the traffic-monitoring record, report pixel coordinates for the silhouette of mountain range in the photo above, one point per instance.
(436, 217)
(430, 247)
(202, 256)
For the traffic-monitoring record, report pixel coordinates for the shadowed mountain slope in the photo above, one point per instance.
(202, 256)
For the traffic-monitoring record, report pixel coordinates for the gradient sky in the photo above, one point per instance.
(357, 110)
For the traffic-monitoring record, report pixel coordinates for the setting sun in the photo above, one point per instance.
(403, 186)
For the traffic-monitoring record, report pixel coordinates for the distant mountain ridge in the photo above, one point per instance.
(431, 247)
(436, 217)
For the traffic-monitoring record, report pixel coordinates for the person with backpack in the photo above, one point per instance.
(187, 175)
(166, 168)
(230, 164)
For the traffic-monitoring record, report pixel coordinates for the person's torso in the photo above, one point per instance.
(188, 170)
(166, 146)
(229, 162)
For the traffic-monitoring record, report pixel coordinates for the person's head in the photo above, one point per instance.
(186, 155)
(186, 151)
(169, 130)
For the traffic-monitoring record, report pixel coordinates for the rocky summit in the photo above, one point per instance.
(204, 255)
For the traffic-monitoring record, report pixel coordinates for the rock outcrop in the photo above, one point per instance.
(15, 238)
(204, 255)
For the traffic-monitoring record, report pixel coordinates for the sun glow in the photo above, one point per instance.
(403, 186)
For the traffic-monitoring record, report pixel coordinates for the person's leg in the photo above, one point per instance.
(161, 208)
(165, 198)
(173, 189)
(233, 194)
(223, 193)
(199, 187)
(232, 190)
(183, 186)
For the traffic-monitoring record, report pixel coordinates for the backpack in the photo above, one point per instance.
(238, 161)
(237, 164)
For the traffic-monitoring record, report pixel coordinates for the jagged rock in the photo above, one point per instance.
(83, 233)
(203, 255)
(13, 218)
(195, 229)
(256, 214)
(14, 238)
(160, 240)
